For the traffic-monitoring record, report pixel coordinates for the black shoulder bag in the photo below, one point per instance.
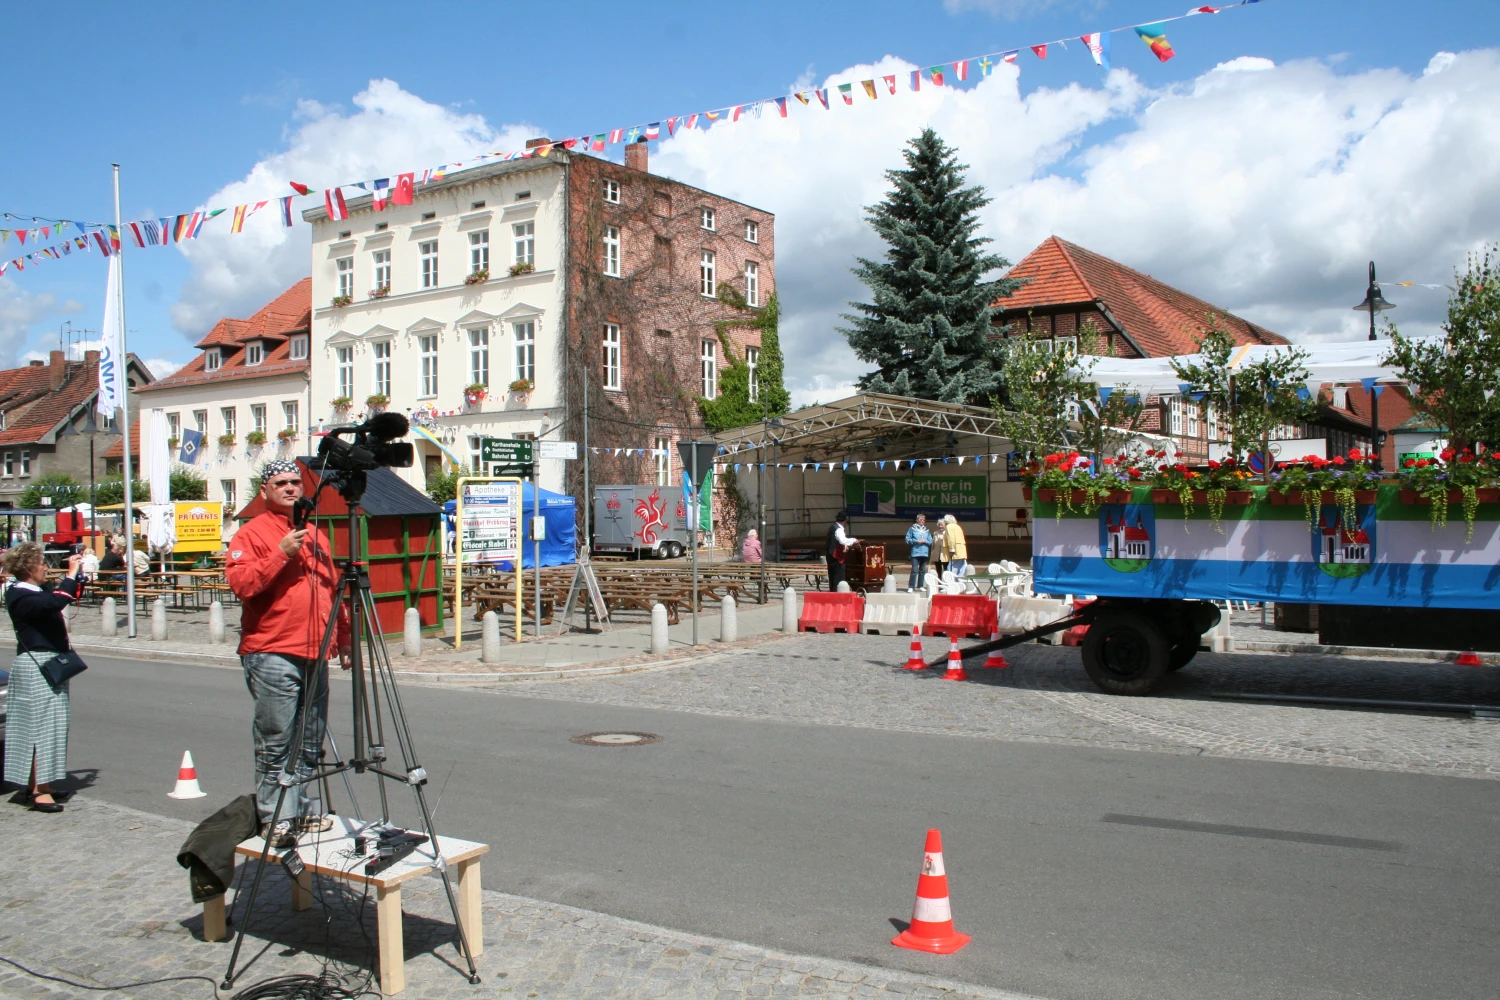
(60, 667)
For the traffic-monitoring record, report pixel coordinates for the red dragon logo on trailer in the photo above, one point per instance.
(652, 513)
(614, 502)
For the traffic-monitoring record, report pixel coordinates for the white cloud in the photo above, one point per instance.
(235, 275)
(20, 311)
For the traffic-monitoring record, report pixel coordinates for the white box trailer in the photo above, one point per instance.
(640, 520)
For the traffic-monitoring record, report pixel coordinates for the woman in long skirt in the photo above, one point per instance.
(36, 730)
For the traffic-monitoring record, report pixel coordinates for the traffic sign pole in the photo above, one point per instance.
(458, 548)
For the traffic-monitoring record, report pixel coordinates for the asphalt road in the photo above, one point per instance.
(1080, 872)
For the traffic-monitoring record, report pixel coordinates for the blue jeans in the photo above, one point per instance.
(918, 572)
(275, 682)
(957, 566)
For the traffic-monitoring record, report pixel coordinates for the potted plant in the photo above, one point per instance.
(255, 438)
(1068, 478)
(1314, 480)
(522, 387)
(173, 442)
(377, 401)
(477, 277)
(340, 403)
(226, 440)
(474, 394)
(1452, 477)
(381, 292)
(1173, 482)
(339, 301)
(520, 268)
(287, 434)
(1221, 486)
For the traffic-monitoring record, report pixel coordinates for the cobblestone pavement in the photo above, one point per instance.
(100, 900)
(1046, 697)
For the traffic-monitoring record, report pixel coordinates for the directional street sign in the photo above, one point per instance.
(559, 449)
(505, 451)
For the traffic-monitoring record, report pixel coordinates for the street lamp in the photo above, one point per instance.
(90, 428)
(1374, 303)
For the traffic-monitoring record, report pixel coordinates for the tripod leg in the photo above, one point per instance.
(338, 762)
(244, 922)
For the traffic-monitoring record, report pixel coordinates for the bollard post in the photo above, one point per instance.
(412, 644)
(216, 622)
(1219, 637)
(789, 610)
(109, 622)
(729, 626)
(889, 587)
(844, 587)
(490, 638)
(158, 620)
(659, 640)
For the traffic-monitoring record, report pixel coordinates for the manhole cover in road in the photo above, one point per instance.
(615, 739)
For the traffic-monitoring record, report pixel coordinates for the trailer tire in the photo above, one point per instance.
(1126, 653)
(672, 550)
(1182, 654)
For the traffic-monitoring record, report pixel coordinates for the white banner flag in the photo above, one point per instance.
(111, 350)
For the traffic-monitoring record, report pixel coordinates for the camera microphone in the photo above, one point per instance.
(386, 425)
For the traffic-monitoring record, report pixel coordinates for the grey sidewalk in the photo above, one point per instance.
(101, 900)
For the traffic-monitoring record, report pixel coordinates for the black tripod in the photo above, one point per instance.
(369, 716)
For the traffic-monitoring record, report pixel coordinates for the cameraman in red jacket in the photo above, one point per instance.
(286, 579)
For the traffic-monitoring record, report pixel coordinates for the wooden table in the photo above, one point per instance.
(322, 853)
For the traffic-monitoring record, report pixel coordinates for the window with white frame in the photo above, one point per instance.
(612, 251)
(479, 250)
(382, 261)
(429, 255)
(344, 364)
(200, 421)
(611, 191)
(1213, 422)
(752, 361)
(1176, 411)
(255, 352)
(427, 346)
(525, 334)
(1192, 419)
(258, 417)
(525, 240)
(708, 360)
(611, 356)
(345, 267)
(230, 494)
(25, 461)
(479, 355)
(663, 452)
(1067, 344)
(297, 349)
(707, 283)
(752, 231)
(476, 453)
(10, 464)
(290, 416)
(174, 426)
(752, 283)
(212, 359)
(228, 416)
(382, 351)
(706, 218)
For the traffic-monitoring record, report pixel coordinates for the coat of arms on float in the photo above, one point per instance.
(1127, 536)
(1344, 547)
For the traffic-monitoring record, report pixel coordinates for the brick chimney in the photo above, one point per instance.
(90, 359)
(539, 141)
(57, 365)
(636, 156)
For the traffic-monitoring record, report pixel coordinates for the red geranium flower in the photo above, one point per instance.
(1410, 463)
(1338, 460)
(1215, 466)
(1446, 454)
(1109, 461)
(1356, 454)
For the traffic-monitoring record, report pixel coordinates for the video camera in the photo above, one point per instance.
(373, 445)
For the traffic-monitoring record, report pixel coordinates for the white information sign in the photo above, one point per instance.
(557, 449)
(490, 521)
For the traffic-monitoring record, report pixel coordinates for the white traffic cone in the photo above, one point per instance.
(187, 780)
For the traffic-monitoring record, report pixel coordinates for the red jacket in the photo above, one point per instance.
(286, 599)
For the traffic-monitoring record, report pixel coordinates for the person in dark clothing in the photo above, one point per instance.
(838, 546)
(114, 559)
(36, 737)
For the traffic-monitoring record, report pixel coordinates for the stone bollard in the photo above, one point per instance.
(890, 584)
(844, 587)
(412, 646)
(109, 619)
(158, 620)
(729, 622)
(489, 643)
(789, 610)
(659, 641)
(216, 622)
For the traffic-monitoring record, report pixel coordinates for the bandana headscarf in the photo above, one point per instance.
(276, 467)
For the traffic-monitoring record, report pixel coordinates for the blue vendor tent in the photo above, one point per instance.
(560, 547)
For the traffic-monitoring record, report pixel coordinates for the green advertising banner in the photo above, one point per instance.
(905, 495)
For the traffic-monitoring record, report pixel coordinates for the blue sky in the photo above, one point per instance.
(204, 92)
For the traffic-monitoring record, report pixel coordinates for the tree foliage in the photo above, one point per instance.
(733, 407)
(443, 486)
(928, 329)
(1454, 380)
(61, 489)
(1051, 401)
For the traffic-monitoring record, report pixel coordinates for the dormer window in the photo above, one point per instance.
(255, 353)
(212, 359)
(298, 349)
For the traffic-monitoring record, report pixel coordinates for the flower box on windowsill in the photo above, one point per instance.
(381, 292)
(341, 404)
(379, 401)
(339, 301)
(478, 277)
(255, 438)
(516, 270)
(226, 440)
(289, 434)
(1485, 494)
(173, 443)
(1294, 498)
(1232, 498)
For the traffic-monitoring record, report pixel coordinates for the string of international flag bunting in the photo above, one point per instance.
(399, 189)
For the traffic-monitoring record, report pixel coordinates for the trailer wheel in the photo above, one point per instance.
(1125, 654)
(1183, 653)
(672, 550)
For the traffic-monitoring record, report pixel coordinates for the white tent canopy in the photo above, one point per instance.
(1326, 364)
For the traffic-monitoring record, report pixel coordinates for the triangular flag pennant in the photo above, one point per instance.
(1378, 390)
(300, 188)
(781, 106)
(936, 75)
(860, 465)
(1367, 383)
(1011, 56)
(845, 91)
(1488, 393)
(985, 65)
(961, 69)
(1155, 37)
(916, 79)
(960, 460)
(1104, 392)
(1098, 44)
(869, 86)
(801, 95)
(881, 464)
(822, 96)
(890, 82)
(286, 210)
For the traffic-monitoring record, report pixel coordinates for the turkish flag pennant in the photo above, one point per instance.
(1040, 50)
(402, 193)
(300, 188)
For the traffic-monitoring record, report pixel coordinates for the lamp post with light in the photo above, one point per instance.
(91, 429)
(1374, 303)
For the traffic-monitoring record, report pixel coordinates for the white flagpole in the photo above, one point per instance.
(124, 383)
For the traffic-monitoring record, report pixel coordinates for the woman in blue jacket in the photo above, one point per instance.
(919, 539)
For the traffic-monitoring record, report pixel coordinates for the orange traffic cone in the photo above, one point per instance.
(996, 660)
(914, 660)
(187, 780)
(955, 662)
(932, 918)
(1468, 658)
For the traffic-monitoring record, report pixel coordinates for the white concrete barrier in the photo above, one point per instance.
(894, 614)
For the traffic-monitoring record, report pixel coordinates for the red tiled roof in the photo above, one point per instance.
(1161, 319)
(117, 450)
(32, 407)
(274, 324)
(290, 312)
